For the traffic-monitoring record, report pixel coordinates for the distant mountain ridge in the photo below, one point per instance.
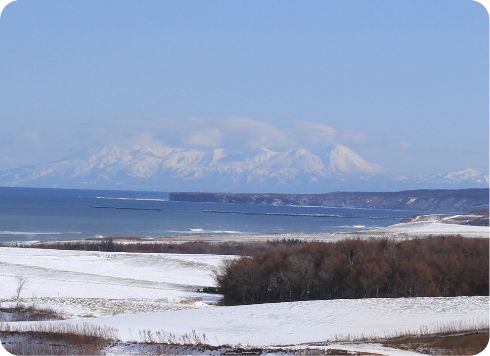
(167, 168)
(170, 168)
(460, 200)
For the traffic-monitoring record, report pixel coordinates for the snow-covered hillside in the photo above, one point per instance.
(294, 323)
(90, 282)
(311, 321)
(134, 292)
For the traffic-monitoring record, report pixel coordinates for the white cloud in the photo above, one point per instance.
(232, 133)
(254, 133)
(356, 137)
(315, 133)
(210, 138)
(144, 139)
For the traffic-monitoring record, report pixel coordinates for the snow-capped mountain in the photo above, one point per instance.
(174, 168)
(464, 178)
(467, 174)
(343, 160)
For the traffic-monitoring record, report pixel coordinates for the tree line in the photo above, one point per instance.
(435, 266)
(191, 247)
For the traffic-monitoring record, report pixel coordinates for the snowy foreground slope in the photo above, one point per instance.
(91, 279)
(306, 322)
(83, 283)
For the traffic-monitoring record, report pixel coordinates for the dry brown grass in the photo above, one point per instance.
(56, 339)
(459, 344)
(24, 312)
(163, 337)
(194, 247)
(191, 301)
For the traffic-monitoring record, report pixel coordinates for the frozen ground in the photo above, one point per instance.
(85, 282)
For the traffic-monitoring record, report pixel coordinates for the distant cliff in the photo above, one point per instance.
(460, 200)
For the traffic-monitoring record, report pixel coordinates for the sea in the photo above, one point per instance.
(35, 214)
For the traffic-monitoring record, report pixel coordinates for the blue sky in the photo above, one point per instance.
(403, 83)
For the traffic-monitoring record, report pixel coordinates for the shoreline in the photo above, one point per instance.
(404, 230)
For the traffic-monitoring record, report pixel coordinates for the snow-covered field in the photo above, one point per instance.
(95, 282)
(423, 228)
(402, 230)
(311, 321)
(103, 284)
(306, 322)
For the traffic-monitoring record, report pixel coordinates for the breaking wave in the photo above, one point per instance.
(204, 231)
(199, 230)
(135, 199)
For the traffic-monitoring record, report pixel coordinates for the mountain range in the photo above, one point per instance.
(167, 168)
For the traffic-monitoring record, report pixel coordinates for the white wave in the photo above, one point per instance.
(31, 233)
(127, 198)
(307, 215)
(199, 230)
(226, 232)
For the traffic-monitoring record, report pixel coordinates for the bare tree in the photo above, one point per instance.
(21, 282)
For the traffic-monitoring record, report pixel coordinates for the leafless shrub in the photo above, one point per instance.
(21, 282)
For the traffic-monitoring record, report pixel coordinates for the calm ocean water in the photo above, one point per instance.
(58, 214)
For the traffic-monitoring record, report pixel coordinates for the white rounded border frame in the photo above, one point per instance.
(484, 3)
(486, 6)
(4, 4)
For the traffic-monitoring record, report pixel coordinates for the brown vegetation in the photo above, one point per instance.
(52, 339)
(195, 247)
(459, 344)
(434, 266)
(22, 312)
